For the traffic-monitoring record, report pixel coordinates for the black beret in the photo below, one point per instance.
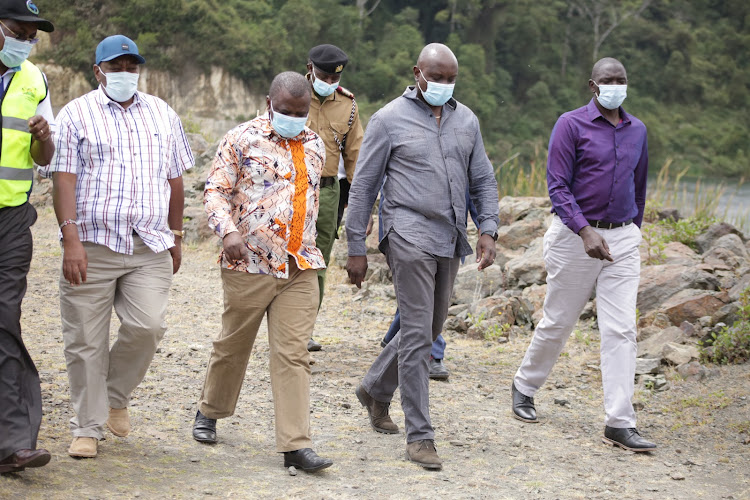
(328, 58)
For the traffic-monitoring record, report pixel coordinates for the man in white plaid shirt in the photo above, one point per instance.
(119, 198)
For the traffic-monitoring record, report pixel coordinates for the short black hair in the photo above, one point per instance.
(291, 81)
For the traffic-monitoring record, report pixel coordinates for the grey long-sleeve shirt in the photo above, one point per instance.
(427, 169)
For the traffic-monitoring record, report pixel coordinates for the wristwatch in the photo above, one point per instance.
(178, 232)
(492, 234)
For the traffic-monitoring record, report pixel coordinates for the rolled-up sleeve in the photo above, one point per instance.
(368, 178)
(66, 147)
(221, 180)
(182, 155)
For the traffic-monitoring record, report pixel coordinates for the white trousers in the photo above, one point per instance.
(571, 277)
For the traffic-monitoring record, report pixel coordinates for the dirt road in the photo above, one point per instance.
(702, 429)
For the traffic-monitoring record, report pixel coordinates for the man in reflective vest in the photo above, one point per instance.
(25, 139)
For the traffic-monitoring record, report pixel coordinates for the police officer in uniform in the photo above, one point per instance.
(26, 139)
(334, 116)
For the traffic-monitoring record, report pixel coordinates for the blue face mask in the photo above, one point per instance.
(14, 51)
(287, 126)
(322, 88)
(436, 94)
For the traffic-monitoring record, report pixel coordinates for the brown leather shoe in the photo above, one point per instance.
(119, 421)
(83, 447)
(424, 453)
(378, 411)
(21, 459)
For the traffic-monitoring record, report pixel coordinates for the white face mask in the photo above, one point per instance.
(611, 96)
(121, 85)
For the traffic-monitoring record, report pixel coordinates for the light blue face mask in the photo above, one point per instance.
(322, 88)
(287, 126)
(611, 96)
(436, 94)
(14, 51)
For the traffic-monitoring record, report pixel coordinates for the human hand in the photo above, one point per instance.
(75, 261)
(39, 128)
(485, 251)
(594, 244)
(356, 267)
(176, 252)
(234, 248)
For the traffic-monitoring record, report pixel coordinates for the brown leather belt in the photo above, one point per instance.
(601, 224)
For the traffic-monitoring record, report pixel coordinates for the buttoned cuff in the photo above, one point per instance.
(577, 223)
(357, 248)
(225, 227)
(488, 226)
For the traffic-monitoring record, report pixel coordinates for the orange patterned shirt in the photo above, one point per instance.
(266, 188)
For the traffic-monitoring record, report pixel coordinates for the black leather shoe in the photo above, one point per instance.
(204, 429)
(438, 371)
(306, 459)
(21, 459)
(629, 439)
(523, 406)
(313, 346)
(383, 343)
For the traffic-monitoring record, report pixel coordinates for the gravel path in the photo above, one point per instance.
(703, 429)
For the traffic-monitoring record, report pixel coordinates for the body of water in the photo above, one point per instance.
(733, 198)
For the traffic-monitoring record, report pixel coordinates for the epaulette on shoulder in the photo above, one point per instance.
(341, 90)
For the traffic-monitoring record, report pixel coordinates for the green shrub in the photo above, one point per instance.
(686, 230)
(732, 343)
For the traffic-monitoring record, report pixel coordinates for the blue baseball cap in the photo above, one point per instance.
(115, 46)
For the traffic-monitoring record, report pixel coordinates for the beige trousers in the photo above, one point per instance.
(291, 305)
(138, 287)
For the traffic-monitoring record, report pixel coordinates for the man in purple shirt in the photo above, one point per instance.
(596, 176)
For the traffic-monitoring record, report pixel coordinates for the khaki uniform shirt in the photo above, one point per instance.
(330, 120)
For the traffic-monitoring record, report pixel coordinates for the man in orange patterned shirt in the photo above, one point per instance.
(262, 200)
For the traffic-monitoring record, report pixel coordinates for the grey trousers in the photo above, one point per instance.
(424, 284)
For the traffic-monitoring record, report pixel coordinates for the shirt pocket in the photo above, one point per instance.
(410, 146)
(339, 129)
(465, 141)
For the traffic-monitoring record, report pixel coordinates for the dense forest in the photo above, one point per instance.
(522, 62)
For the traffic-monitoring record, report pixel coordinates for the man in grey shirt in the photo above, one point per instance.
(428, 147)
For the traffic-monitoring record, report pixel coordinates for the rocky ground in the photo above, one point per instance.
(702, 427)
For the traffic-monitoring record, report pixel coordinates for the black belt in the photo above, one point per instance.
(602, 224)
(327, 181)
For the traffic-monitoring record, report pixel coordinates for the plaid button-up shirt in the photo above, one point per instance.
(123, 159)
(251, 188)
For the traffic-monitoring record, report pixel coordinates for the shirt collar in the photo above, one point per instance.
(411, 93)
(11, 71)
(594, 112)
(104, 99)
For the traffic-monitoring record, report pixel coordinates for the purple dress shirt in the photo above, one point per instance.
(595, 170)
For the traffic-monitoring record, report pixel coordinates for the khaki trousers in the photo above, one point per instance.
(291, 306)
(138, 287)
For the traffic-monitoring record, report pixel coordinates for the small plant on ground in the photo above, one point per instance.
(732, 343)
(654, 245)
(686, 230)
(496, 331)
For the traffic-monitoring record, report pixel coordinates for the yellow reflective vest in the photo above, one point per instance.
(26, 90)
